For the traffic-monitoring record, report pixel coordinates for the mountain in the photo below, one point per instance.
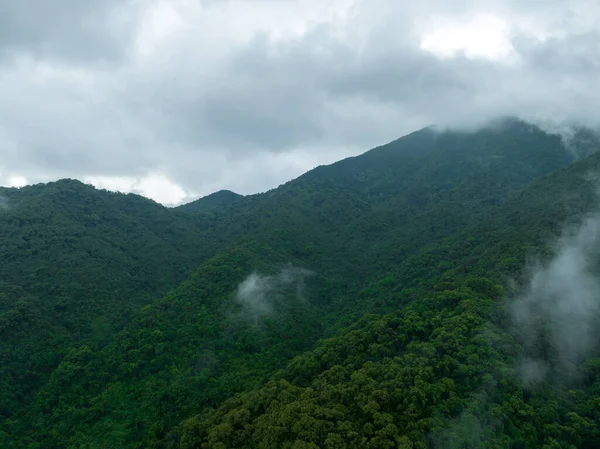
(145, 343)
(222, 198)
(390, 201)
(444, 370)
(77, 264)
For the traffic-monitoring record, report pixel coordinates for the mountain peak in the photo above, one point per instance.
(221, 198)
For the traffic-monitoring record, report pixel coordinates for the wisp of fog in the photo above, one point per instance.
(556, 312)
(260, 295)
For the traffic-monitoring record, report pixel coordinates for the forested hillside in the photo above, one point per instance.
(77, 264)
(219, 199)
(446, 369)
(126, 324)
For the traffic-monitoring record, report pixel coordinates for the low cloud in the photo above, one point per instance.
(261, 296)
(3, 203)
(557, 311)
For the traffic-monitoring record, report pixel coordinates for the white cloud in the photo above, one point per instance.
(559, 308)
(247, 94)
(154, 185)
(17, 181)
(482, 36)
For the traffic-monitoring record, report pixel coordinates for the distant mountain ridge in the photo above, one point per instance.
(222, 198)
(113, 342)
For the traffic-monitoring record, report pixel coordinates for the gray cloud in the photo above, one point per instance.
(71, 29)
(558, 311)
(245, 95)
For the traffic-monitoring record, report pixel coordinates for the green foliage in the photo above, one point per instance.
(430, 375)
(77, 265)
(393, 381)
(193, 346)
(219, 199)
(124, 325)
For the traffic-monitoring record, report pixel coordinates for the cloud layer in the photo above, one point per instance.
(244, 95)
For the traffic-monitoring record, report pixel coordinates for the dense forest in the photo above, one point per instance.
(439, 291)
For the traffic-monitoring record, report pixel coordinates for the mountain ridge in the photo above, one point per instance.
(221, 198)
(358, 225)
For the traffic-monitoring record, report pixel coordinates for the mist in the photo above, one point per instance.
(556, 312)
(580, 141)
(3, 203)
(266, 295)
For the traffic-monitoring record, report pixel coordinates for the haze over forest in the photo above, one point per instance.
(299, 224)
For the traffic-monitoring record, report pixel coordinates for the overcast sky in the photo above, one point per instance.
(176, 99)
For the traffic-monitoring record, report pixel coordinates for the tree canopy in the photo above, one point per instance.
(364, 304)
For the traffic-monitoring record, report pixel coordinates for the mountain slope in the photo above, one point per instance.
(351, 223)
(442, 371)
(445, 179)
(77, 263)
(222, 198)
